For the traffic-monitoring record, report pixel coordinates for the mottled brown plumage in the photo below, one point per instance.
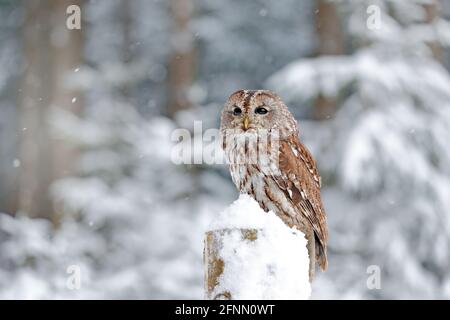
(268, 161)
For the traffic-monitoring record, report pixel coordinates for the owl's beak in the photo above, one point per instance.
(246, 122)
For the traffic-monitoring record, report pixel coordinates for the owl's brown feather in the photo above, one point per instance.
(301, 184)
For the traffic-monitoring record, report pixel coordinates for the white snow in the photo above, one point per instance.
(274, 266)
(16, 163)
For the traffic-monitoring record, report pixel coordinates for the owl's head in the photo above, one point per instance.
(247, 111)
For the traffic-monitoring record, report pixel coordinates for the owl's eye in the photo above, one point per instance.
(261, 110)
(237, 111)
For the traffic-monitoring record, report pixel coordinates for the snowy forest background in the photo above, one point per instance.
(86, 117)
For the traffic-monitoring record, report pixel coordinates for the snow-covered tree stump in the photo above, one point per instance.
(251, 254)
(214, 265)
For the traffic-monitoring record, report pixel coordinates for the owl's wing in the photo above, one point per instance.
(301, 183)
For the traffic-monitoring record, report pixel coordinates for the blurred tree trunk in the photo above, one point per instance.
(433, 12)
(51, 52)
(331, 42)
(35, 148)
(126, 21)
(9, 163)
(181, 70)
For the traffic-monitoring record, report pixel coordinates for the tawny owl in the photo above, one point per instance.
(268, 162)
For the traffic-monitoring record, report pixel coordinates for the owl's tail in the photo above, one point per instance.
(321, 255)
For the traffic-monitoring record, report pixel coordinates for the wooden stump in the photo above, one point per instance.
(214, 265)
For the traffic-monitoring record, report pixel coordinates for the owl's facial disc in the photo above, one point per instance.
(257, 112)
(248, 118)
(252, 119)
